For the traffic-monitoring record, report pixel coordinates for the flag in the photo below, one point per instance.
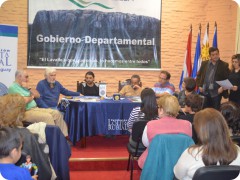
(197, 58)
(205, 46)
(215, 43)
(187, 65)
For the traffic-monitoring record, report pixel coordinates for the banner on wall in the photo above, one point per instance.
(8, 53)
(101, 34)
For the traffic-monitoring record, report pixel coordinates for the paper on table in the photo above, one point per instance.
(226, 84)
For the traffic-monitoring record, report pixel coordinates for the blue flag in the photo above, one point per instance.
(197, 58)
(215, 43)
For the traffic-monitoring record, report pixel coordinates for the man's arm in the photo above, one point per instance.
(66, 92)
(40, 102)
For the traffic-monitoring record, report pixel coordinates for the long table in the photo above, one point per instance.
(104, 117)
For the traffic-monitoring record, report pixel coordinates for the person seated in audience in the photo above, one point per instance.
(188, 87)
(147, 111)
(33, 113)
(134, 89)
(193, 104)
(164, 87)
(88, 87)
(50, 90)
(234, 78)
(10, 150)
(12, 116)
(168, 108)
(231, 113)
(3, 89)
(215, 146)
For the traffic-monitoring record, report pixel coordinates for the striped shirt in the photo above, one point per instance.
(3, 89)
(135, 115)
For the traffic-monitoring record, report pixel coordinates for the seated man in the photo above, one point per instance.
(33, 113)
(134, 89)
(164, 86)
(50, 90)
(88, 88)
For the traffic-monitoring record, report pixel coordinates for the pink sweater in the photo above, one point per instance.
(165, 125)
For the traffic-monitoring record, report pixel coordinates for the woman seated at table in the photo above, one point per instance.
(12, 111)
(147, 111)
(231, 113)
(168, 108)
(214, 147)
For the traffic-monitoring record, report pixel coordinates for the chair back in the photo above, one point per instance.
(223, 172)
(163, 153)
(121, 84)
(82, 84)
(137, 130)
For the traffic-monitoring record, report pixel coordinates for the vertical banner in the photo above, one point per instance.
(8, 53)
(101, 34)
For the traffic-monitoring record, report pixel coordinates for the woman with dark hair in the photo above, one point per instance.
(188, 86)
(215, 146)
(88, 87)
(148, 109)
(234, 78)
(231, 113)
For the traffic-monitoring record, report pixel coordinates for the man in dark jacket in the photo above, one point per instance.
(211, 71)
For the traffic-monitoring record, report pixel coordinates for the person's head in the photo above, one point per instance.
(28, 158)
(193, 102)
(135, 80)
(213, 137)
(21, 76)
(231, 113)
(164, 76)
(50, 74)
(13, 109)
(189, 84)
(235, 61)
(11, 144)
(214, 54)
(89, 77)
(149, 104)
(168, 106)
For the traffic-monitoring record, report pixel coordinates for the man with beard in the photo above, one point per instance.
(88, 87)
(50, 90)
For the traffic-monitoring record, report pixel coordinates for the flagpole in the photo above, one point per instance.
(208, 29)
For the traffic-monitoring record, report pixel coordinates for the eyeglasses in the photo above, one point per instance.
(162, 78)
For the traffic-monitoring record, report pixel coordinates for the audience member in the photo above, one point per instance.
(234, 78)
(10, 150)
(88, 87)
(3, 89)
(188, 87)
(214, 147)
(211, 71)
(231, 113)
(33, 113)
(168, 108)
(134, 89)
(147, 111)
(164, 87)
(193, 104)
(50, 90)
(12, 116)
